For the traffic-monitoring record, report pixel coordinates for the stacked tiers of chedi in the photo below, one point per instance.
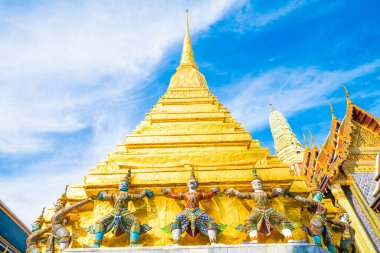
(188, 129)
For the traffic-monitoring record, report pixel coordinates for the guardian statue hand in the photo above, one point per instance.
(229, 191)
(165, 190)
(278, 191)
(215, 190)
(100, 194)
(149, 193)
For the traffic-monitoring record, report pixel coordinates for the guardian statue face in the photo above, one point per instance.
(257, 184)
(123, 186)
(192, 184)
(318, 196)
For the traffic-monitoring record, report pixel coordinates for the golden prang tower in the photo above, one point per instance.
(187, 129)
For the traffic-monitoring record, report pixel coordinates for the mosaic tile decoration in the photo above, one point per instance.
(367, 226)
(366, 183)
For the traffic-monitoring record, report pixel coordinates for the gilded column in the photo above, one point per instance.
(363, 242)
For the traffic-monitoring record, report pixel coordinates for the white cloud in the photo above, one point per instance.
(69, 67)
(59, 60)
(250, 17)
(266, 18)
(290, 91)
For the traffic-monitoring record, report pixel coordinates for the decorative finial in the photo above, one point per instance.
(331, 108)
(192, 174)
(255, 176)
(306, 143)
(63, 197)
(187, 58)
(42, 213)
(128, 177)
(272, 107)
(41, 217)
(312, 139)
(64, 194)
(346, 90)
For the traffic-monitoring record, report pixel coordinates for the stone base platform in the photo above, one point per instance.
(220, 248)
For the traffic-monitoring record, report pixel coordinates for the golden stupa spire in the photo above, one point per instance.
(288, 149)
(187, 58)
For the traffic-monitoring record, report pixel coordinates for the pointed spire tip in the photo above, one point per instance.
(331, 109)
(346, 90)
(305, 141)
(187, 58)
(312, 139)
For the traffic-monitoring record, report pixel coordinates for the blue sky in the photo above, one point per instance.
(76, 78)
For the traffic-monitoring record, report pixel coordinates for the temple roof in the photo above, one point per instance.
(13, 232)
(359, 132)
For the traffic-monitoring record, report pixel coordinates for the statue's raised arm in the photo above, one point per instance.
(172, 194)
(301, 199)
(234, 192)
(141, 195)
(76, 205)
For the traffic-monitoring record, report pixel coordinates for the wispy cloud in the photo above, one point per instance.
(250, 17)
(290, 90)
(263, 19)
(70, 68)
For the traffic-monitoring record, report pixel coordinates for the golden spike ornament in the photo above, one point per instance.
(346, 90)
(192, 174)
(187, 58)
(305, 141)
(128, 177)
(312, 139)
(63, 197)
(331, 109)
(255, 176)
(41, 217)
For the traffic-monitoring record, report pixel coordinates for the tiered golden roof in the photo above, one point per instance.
(187, 126)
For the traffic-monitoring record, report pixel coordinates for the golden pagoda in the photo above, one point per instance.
(190, 130)
(288, 149)
(187, 128)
